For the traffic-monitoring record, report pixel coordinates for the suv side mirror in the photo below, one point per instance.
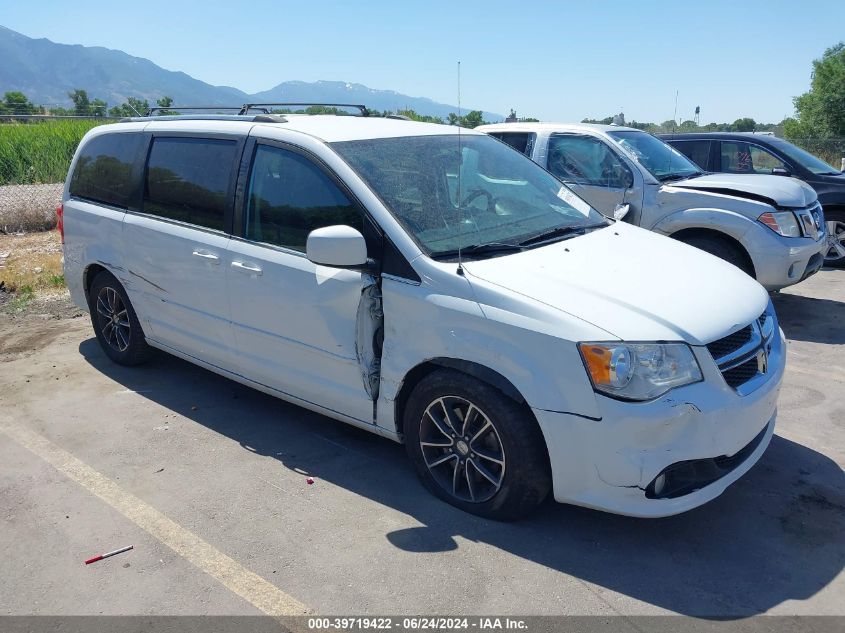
(780, 171)
(338, 246)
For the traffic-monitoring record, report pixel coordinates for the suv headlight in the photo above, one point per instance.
(782, 222)
(639, 371)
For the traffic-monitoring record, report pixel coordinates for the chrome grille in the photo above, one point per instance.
(742, 356)
(812, 224)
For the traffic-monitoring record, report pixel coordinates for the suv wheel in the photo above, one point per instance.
(721, 249)
(474, 447)
(835, 225)
(115, 323)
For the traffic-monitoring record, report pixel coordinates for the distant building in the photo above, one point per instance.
(512, 117)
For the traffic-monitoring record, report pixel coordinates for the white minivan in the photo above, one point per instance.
(434, 286)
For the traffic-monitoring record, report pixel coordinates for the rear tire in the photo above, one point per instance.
(722, 249)
(115, 322)
(475, 448)
(835, 227)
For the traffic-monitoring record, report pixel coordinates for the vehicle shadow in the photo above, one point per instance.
(810, 319)
(774, 536)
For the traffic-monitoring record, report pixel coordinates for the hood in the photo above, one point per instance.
(779, 191)
(634, 284)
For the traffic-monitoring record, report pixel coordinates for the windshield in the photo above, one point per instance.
(504, 197)
(805, 159)
(661, 160)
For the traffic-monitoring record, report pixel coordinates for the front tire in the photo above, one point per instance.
(115, 322)
(476, 448)
(834, 256)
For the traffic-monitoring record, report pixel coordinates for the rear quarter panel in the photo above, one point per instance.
(93, 231)
(93, 235)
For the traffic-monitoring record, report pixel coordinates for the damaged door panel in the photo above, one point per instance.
(370, 336)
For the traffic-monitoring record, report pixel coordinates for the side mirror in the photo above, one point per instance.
(780, 171)
(338, 246)
(621, 211)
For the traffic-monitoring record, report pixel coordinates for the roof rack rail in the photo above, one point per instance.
(151, 111)
(249, 106)
(254, 118)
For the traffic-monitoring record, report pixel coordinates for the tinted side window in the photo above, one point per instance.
(736, 158)
(520, 141)
(188, 180)
(764, 162)
(103, 172)
(587, 161)
(742, 158)
(697, 151)
(289, 196)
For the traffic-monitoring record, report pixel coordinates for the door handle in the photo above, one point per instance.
(211, 257)
(247, 268)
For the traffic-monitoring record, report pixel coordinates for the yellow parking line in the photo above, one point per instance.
(251, 587)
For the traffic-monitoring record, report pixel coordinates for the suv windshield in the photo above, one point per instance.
(805, 159)
(480, 195)
(661, 160)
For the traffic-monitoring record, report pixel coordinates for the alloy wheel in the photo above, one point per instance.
(114, 319)
(462, 449)
(835, 241)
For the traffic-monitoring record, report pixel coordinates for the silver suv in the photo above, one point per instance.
(769, 226)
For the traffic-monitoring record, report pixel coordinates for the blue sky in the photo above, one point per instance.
(553, 60)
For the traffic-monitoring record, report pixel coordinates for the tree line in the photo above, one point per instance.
(745, 124)
(18, 103)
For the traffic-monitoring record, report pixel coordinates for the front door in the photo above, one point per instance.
(295, 323)
(593, 171)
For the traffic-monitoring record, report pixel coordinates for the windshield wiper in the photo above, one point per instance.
(479, 249)
(560, 232)
(670, 177)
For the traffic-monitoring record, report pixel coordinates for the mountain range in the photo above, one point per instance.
(46, 72)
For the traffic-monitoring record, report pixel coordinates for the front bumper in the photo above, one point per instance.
(783, 261)
(611, 464)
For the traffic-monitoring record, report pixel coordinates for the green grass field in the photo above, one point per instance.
(34, 153)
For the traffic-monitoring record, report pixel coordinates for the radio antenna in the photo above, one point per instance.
(675, 116)
(460, 169)
(674, 124)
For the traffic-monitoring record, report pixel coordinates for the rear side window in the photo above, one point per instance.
(743, 158)
(188, 180)
(697, 151)
(520, 141)
(103, 171)
(289, 196)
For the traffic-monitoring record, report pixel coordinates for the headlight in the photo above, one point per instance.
(639, 371)
(782, 222)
